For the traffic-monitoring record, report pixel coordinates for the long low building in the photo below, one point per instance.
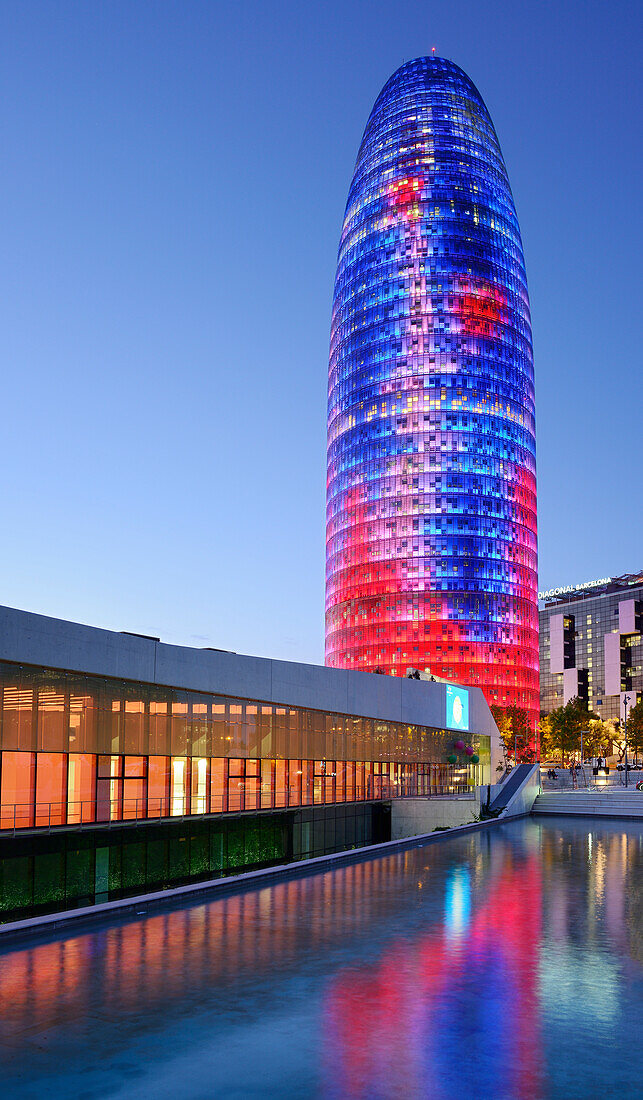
(262, 760)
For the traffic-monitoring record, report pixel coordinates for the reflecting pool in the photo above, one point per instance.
(505, 964)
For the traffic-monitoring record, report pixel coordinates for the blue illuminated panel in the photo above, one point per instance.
(457, 708)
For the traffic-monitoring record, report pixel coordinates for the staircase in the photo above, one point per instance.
(621, 803)
(511, 784)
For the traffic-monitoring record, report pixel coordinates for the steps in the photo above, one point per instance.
(512, 784)
(591, 803)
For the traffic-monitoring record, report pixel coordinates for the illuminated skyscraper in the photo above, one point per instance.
(431, 519)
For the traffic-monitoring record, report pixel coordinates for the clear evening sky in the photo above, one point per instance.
(173, 185)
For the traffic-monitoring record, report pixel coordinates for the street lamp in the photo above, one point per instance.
(626, 700)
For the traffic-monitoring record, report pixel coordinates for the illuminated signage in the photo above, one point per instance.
(564, 589)
(457, 708)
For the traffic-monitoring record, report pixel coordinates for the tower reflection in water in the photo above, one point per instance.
(450, 1013)
(468, 968)
(444, 977)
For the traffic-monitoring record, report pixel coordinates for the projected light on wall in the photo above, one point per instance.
(457, 708)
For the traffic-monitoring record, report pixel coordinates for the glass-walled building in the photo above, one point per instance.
(591, 645)
(431, 507)
(128, 765)
(78, 747)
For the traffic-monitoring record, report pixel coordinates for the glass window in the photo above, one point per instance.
(109, 788)
(179, 728)
(134, 767)
(199, 730)
(308, 782)
(115, 725)
(200, 785)
(219, 730)
(265, 738)
(178, 780)
(252, 728)
(267, 783)
(109, 766)
(82, 724)
(329, 782)
(158, 786)
(17, 796)
(52, 728)
(350, 781)
(17, 712)
(281, 785)
(295, 783)
(236, 784)
(235, 738)
(159, 736)
(134, 726)
(319, 775)
(253, 785)
(134, 799)
(218, 785)
(81, 792)
(340, 781)
(51, 792)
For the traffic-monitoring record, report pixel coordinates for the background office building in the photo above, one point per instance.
(431, 509)
(129, 765)
(591, 645)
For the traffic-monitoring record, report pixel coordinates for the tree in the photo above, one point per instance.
(566, 724)
(524, 740)
(635, 729)
(546, 737)
(503, 723)
(599, 738)
(513, 727)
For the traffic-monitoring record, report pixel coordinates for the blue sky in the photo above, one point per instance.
(174, 179)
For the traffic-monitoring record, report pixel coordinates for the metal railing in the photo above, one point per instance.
(245, 797)
(586, 780)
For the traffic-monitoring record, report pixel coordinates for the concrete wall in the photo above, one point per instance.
(556, 643)
(415, 816)
(570, 684)
(612, 644)
(524, 798)
(26, 638)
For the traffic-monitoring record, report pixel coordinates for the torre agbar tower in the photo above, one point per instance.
(431, 507)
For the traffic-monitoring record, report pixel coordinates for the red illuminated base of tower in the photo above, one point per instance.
(379, 635)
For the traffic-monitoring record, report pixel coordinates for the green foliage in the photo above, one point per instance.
(565, 725)
(546, 741)
(599, 738)
(515, 734)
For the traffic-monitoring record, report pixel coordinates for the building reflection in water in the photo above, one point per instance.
(439, 1015)
(445, 971)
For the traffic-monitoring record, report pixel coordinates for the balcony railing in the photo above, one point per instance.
(243, 797)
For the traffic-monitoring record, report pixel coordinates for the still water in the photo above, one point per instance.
(505, 964)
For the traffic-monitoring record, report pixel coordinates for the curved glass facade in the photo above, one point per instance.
(431, 514)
